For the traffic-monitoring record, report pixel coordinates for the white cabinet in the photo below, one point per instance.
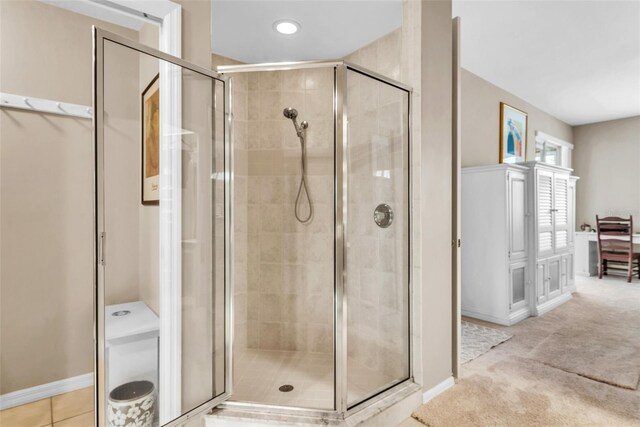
(496, 279)
(554, 190)
(517, 240)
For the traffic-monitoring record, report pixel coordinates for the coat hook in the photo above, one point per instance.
(26, 101)
(89, 110)
(60, 107)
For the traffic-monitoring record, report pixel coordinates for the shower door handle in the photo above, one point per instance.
(101, 248)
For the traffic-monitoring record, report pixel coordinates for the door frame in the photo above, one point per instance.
(456, 202)
(169, 373)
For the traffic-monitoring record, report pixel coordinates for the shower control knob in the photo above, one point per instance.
(383, 215)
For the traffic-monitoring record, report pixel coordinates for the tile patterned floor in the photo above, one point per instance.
(74, 409)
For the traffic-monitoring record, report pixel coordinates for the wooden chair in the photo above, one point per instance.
(615, 246)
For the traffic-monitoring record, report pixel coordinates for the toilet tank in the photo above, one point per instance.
(132, 338)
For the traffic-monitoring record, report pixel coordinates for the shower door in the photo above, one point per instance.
(163, 181)
(376, 233)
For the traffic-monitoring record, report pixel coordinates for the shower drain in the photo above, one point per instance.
(285, 388)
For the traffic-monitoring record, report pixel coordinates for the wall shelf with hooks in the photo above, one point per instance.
(8, 100)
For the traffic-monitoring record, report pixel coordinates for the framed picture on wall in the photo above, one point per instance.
(513, 134)
(151, 143)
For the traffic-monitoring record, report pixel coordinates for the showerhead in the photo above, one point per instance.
(290, 113)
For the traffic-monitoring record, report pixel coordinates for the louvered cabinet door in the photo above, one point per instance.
(544, 213)
(572, 212)
(561, 212)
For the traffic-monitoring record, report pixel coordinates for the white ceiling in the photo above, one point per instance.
(243, 30)
(576, 60)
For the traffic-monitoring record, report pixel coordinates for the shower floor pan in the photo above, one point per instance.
(259, 375)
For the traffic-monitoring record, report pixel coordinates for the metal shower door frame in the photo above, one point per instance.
(341, 408)
(101, 36)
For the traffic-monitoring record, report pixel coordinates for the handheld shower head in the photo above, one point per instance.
(290, 113)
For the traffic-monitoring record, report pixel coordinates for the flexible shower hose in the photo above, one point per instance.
(303, 183)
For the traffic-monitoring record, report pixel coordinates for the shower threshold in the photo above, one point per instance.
(389, 408)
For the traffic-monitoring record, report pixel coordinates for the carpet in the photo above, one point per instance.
(477, 340)
(517, 384)
(602, 353)
(520, 393)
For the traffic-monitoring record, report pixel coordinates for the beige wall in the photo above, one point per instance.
(148, 215)
(121, 168)
(46, 183)
(436, 191)
(46, 186)
(481, 121)
(196, 31)
(606, 157)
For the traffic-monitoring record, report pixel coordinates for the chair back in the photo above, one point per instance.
(615, 235)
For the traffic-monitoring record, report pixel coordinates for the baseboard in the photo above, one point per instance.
(439, 388)
(519, 316)
(487, 317)
(550, 305)
(28, 395)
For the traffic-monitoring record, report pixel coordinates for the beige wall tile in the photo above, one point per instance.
(33, 414)
(72, 404)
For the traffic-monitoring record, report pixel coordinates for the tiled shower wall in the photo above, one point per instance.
(290, 265)
(239, 212)
(284, 269)
(377, 258)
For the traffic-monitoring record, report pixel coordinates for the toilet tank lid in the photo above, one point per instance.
(140, 319)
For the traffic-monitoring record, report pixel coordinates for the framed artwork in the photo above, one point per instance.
(151, 143)
(513, 134)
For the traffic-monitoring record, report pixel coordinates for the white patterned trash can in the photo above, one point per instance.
(132, 405)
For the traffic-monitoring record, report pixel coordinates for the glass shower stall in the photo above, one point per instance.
(252, 236)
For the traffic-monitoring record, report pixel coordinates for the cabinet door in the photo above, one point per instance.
(517, 206)
(564, 271)
(568, 269)
(544, 208)
(553, 277)
(518, 278)
(561, 211)
(541, 282)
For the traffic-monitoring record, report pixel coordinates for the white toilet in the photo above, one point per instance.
(132, 338)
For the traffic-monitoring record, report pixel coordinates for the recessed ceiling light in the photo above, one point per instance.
(286, 27)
